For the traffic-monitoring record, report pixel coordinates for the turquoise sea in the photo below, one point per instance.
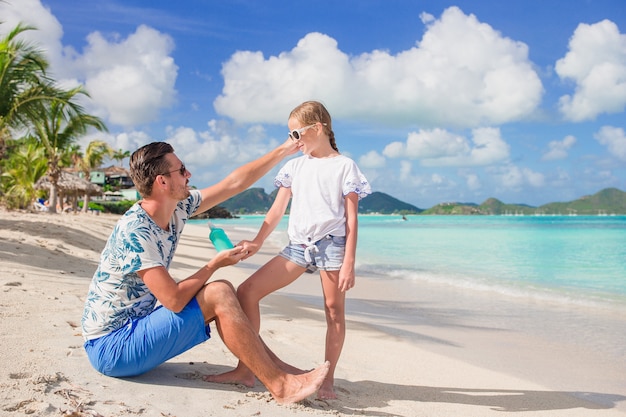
(564, 259)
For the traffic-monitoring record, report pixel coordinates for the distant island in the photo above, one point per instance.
(610, 201)
(607, 202)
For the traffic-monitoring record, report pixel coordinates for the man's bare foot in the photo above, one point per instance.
(237, 376)
(327, 391)
(298, 387)
(290, 369)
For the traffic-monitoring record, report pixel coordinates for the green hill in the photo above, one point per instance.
(608, 201)
(378, 202)
(493, 206)
(255, 200)
(252, 200)
(453, 208)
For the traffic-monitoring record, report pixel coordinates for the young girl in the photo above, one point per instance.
(324, 187)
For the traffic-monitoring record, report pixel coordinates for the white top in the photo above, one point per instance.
(318, 187)
(117, 295)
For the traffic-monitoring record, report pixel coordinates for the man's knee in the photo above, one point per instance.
(221, 285)
(217, 291)
(214, 295)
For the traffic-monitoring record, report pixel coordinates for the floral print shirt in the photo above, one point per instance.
(117, 294)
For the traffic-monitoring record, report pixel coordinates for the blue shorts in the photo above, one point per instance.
(147, 342)
(327, 254)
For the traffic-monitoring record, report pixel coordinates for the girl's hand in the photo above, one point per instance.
(249, 248)
(347, 279)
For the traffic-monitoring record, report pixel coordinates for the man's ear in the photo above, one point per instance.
(160, 181)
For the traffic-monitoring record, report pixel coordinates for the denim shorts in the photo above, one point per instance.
(326, 254)
(147, 342)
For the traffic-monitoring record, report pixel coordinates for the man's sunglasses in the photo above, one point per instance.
(182, 170)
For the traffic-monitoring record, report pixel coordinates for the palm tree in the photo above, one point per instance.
(74, 155)
(119, 156)
(96, 151)
(21, 171)
(62, 124)
(24, 85)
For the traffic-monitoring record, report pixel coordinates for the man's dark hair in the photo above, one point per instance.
(146, 163)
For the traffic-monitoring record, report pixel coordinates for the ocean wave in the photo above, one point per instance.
(509, 288)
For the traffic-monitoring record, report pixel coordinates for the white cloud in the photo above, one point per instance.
(217, 145)
(31, 12)
(129, 79)
(534, 178)
(559, 149)
(372, 159)
(130, 140)
(260, 90)
(210, 154)
(126, 141)
(560, 178)
(213, 153)
(428, 144)
(614, 139)
(473, 182)
(405, 170)
(462, 72)
(596, 62)
(512, 177)
(438, 147)
(395, 150)
(409, 182)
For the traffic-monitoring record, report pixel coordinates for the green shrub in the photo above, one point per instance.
(117, 207)
(114, 207)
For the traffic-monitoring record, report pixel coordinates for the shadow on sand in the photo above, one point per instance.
(357, 397)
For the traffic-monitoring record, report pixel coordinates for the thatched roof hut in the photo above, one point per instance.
(70, 187)
(70, 184)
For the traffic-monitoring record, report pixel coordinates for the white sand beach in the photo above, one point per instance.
(441, 359)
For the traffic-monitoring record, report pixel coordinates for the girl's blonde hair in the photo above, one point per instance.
(311, 112)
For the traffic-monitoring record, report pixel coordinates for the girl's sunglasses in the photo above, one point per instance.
(297, 133)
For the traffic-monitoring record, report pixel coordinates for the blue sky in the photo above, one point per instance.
(437, 101)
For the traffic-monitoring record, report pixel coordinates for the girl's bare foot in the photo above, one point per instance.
(298, 387)
(236, 376)
(327, 391)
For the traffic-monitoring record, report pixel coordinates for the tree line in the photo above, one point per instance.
(40, 125)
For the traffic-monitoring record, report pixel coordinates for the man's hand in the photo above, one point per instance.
(228, 257)
(290, 146)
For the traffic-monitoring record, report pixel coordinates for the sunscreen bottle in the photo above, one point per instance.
(219, 239)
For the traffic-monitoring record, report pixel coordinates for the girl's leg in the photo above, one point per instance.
(334, 305)
(274, 275)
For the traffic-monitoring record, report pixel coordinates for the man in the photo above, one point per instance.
(124, 333)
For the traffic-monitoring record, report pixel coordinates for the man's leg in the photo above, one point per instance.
(277, 273)
(219, 302)
(148, 342)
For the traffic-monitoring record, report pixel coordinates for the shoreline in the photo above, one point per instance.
(417, 351)
(559, 343)
(476, 281)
